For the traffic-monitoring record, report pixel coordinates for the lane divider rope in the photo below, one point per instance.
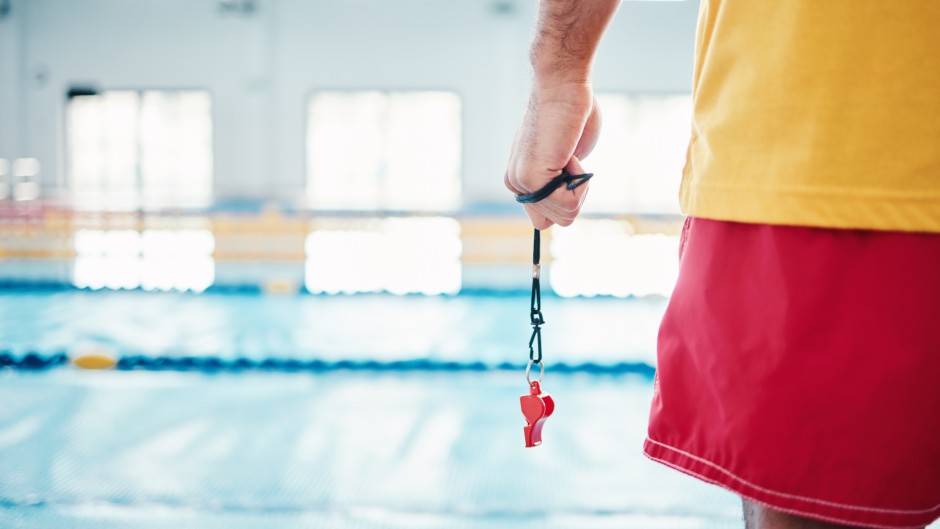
(34, 361)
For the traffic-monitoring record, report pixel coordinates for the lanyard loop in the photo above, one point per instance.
(570, 181)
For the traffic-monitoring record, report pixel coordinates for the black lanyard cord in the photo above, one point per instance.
(571, 182)
(535, 314)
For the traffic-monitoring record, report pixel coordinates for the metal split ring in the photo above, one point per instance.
(528, 369)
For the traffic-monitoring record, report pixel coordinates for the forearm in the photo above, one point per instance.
(566, 37)
(562, 120)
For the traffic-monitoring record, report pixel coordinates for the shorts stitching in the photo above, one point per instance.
(794, 496)
(787, 510)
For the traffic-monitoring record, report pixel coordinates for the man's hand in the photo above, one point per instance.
(562, 120)
(560, 128)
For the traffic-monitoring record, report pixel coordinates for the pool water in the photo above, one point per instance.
(486, 328)
(145, 449)
(344, 449)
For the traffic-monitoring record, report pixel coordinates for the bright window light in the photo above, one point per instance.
(153, 259)
(132, 148)
(26, 191)
(4, 183)
(25, 167)
(639, 157)
(395, 255)
(604, 257)
(384, 151)
(25, 174)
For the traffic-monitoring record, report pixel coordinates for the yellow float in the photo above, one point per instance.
(95, 360)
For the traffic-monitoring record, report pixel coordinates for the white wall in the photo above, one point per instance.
(10, 86)
(261, 69)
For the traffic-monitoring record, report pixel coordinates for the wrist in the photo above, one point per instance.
(551, 66)
(550, 75)
(561, 89)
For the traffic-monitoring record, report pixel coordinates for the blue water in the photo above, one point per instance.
(491, 329)
(138, 449)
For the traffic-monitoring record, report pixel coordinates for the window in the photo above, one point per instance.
(639, 157)
(384, 151)
(4, 185)
(395, 255)
(128, 149)
(25, 179)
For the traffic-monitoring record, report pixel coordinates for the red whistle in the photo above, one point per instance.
(536, 407)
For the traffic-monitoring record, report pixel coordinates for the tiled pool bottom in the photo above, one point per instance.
(339, 450)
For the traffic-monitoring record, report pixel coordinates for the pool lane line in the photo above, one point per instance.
(33, 361)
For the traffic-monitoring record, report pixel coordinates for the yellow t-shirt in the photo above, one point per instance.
(817, 113)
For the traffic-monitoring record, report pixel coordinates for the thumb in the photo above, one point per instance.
(590, 133)
(574, 166)
(565, 203)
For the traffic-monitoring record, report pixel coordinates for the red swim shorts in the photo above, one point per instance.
(800, 368)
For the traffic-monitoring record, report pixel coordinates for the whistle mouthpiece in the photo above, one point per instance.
(536, 407)
(533, 434)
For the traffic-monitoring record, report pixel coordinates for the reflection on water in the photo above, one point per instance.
(603, 257)
(152, 259)
(395, 255)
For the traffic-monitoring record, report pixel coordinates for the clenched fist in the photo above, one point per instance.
(561, 125)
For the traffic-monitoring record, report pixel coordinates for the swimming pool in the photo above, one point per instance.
(339, 447)
(491, 329)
